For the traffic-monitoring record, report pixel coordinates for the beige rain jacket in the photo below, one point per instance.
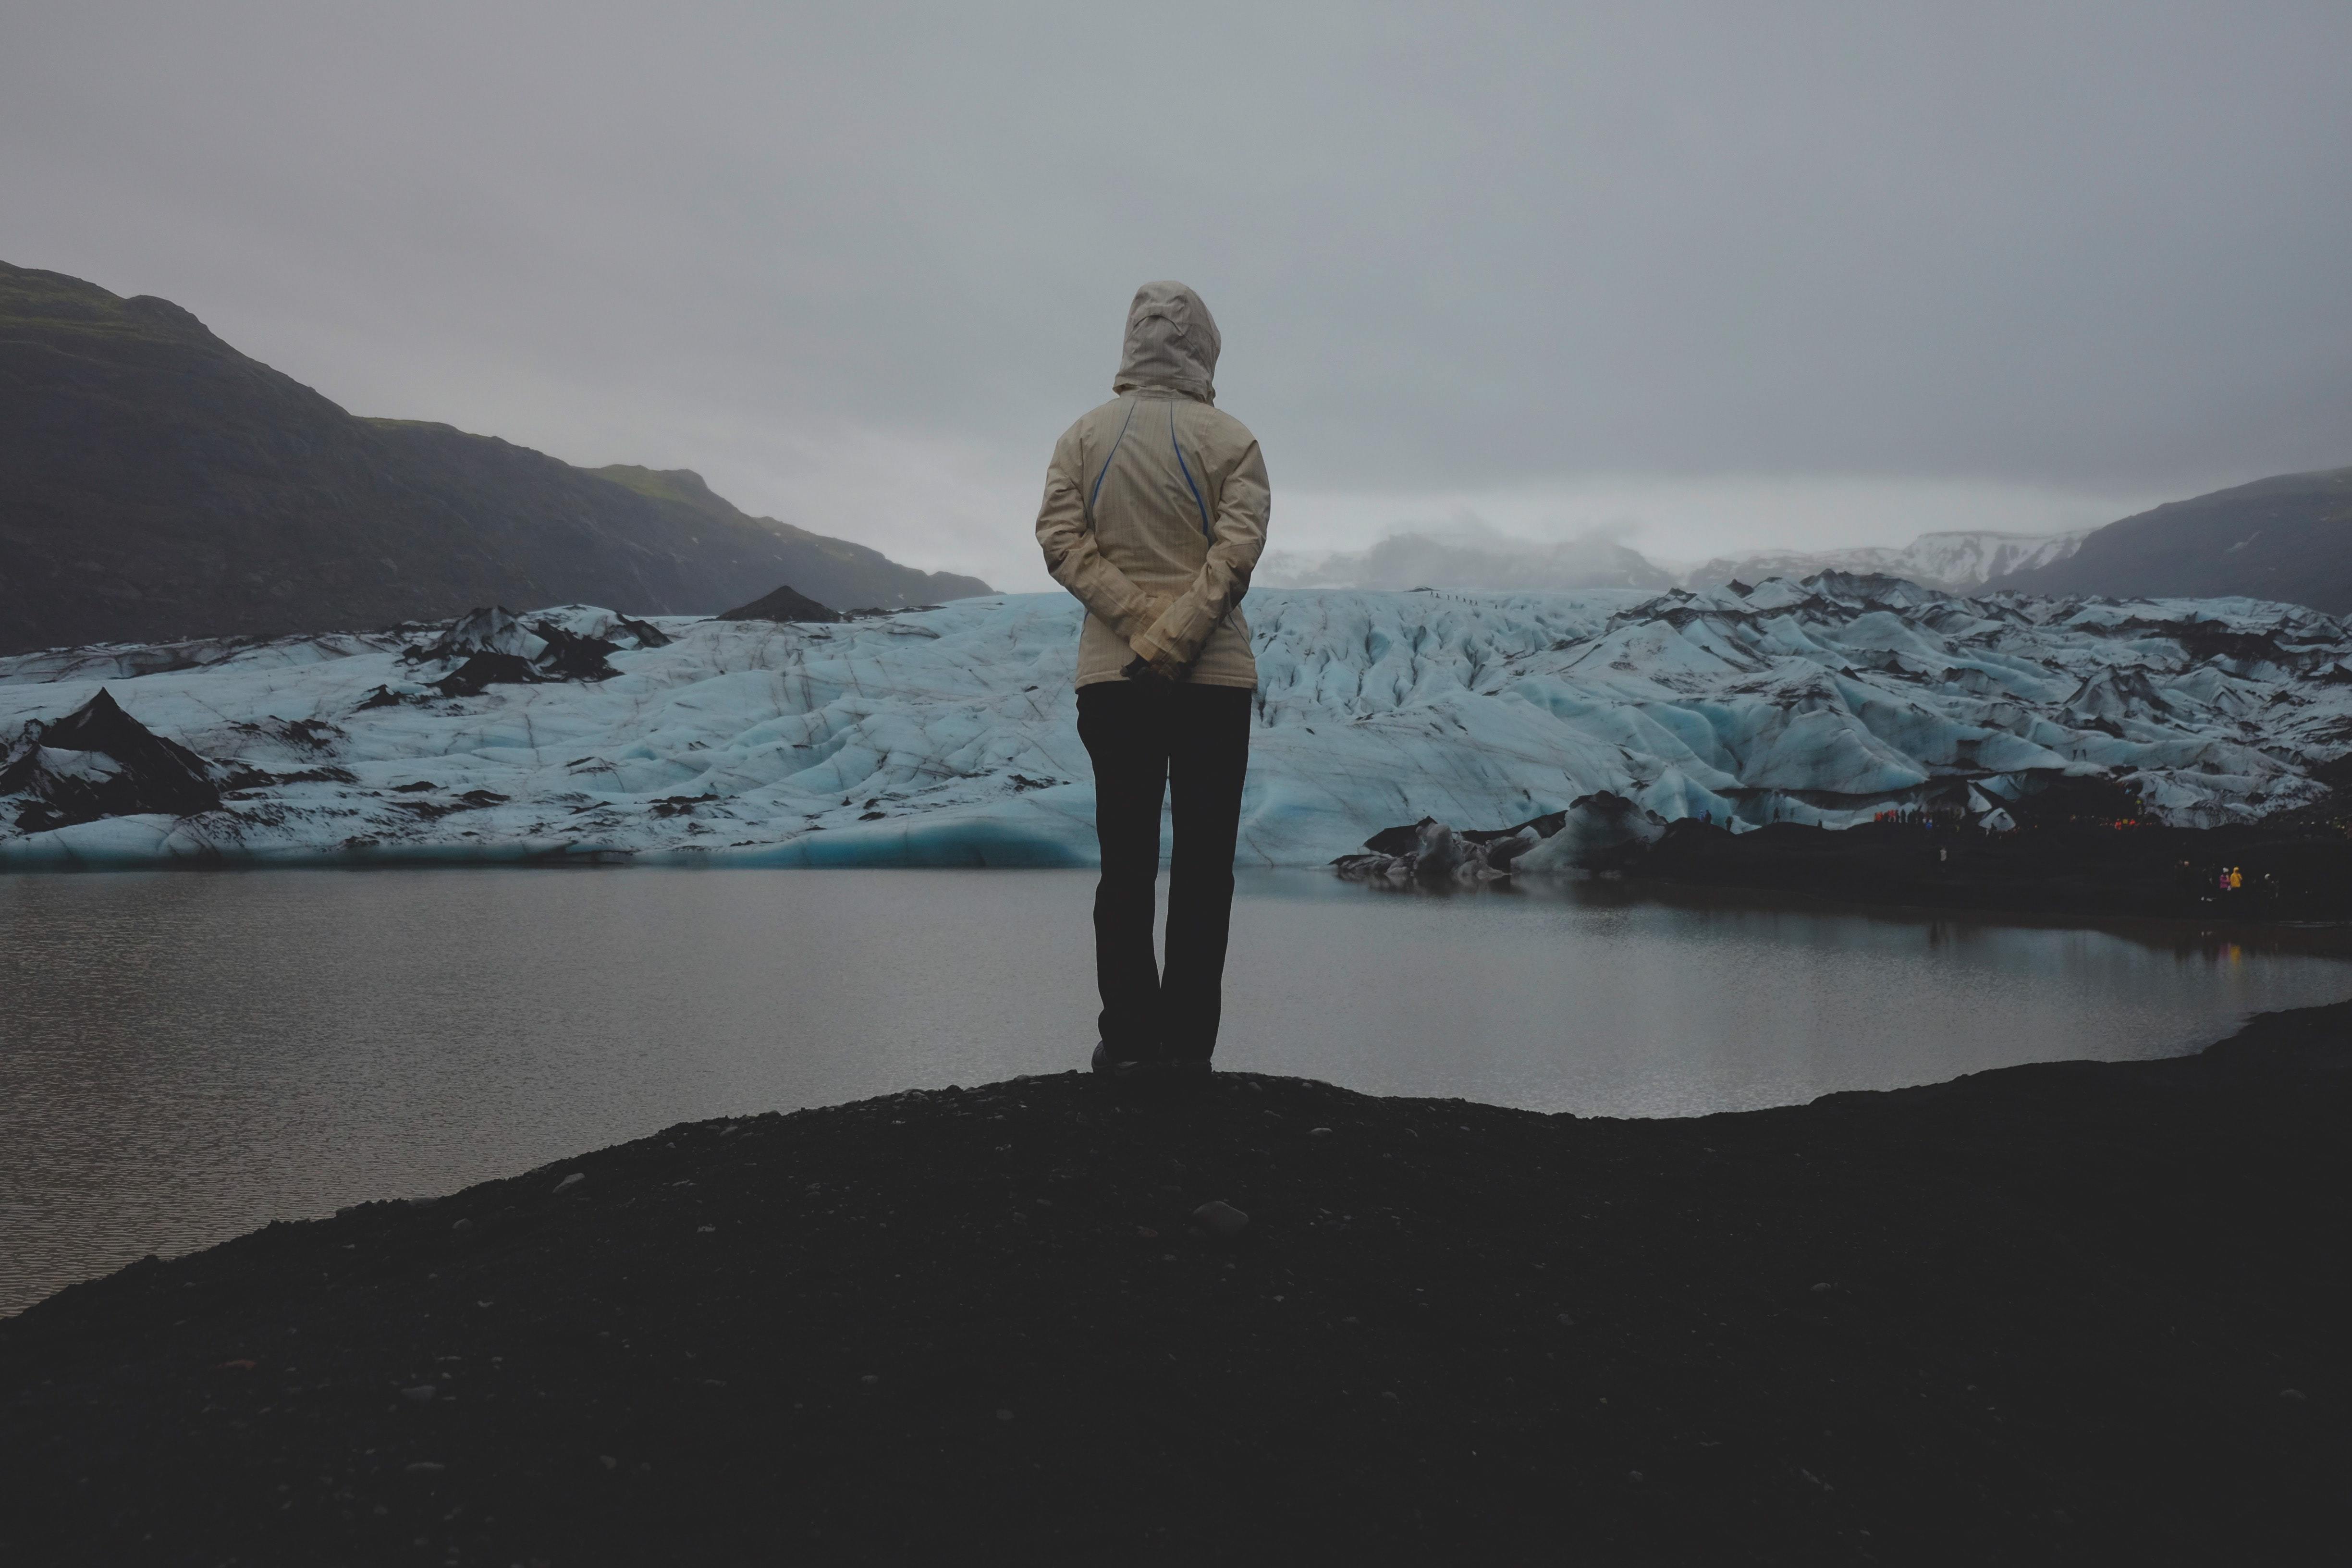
(1156, 506)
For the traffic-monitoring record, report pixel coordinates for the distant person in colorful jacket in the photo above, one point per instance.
(1154, 516)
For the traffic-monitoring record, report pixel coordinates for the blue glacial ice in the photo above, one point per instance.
(947, 737)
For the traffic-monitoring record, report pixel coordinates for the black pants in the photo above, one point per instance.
(1146, 737)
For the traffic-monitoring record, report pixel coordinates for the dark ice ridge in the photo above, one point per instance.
(492, 647)
(1599, 832)
(99, 761)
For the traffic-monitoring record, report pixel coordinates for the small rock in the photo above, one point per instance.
(421, 1394)
(1823, 1288)
(462, 1227)
(426, 1467)
(1004, 1416)
(1633, 1475)
(1351, 1322)
(704, 1229)
(1389, 1394)
(1219, 1218)
(609, 1462)
(1566, 1321)
(570, 1182)
(1319, 1132)
(2295, 1395)
(870, 1379)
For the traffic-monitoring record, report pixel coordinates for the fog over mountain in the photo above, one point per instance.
(1468, 555)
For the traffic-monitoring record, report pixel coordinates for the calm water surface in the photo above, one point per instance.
(185, 1057)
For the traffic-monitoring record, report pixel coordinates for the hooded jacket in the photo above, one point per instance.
(1156, 506)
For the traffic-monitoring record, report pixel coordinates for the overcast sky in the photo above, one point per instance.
(1696, 276)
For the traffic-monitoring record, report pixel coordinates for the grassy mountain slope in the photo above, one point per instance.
(156, 483)
(2287, 538)
(835, 562)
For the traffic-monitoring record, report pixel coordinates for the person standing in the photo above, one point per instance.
(1154, 517)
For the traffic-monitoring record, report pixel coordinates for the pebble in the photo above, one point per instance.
(870, 1378)
(462, 1225)
(2295, 1395)
(1004, 1416)
(570, 1182)
(1823, 1288)
(1566, 1321)
(426, 1467)
(1219, 1218)
(421, 1394)
(1319, 1132)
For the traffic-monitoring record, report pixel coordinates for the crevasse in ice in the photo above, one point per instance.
(948, 736)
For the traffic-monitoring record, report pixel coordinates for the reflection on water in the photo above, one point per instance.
(183, 1056)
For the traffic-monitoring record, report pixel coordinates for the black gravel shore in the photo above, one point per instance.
(2066, 1314)
(2286, 872)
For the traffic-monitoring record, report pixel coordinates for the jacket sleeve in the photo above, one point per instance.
(1244, 505)
(1067, 537)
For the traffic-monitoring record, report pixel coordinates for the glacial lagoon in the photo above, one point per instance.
(186, 1056)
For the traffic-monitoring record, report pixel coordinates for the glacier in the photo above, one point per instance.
(947, 736)
(1957, 560)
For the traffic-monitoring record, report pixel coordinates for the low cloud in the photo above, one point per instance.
(1469, 554)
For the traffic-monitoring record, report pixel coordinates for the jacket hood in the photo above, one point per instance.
(1171, 341)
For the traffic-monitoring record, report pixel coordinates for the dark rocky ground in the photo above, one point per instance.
(2294, 870)
(2066, 1314)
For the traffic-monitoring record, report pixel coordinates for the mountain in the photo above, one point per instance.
(1958, 560)
(2287, 539)
(155, 484)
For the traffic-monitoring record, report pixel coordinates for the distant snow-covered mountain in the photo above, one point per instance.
(948, 736)
(1958, 560)
(1470, 557)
